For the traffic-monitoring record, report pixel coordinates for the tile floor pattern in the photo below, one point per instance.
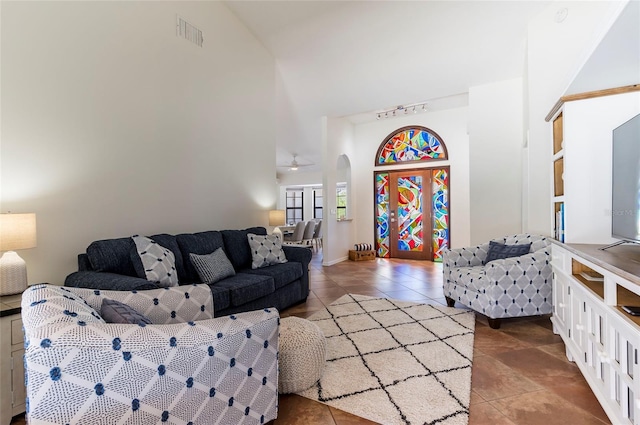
(520, 373)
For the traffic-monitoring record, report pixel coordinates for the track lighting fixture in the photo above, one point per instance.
(404, 109)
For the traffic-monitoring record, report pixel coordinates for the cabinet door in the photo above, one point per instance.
(17, 382)
(579, 319)
(561, 302)
(624, 370)
(596, 337)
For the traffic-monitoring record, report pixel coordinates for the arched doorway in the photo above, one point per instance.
(412, 205)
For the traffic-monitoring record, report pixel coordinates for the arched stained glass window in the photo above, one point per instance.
(411, 144)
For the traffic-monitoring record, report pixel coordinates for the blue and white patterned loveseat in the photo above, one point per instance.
(186, 368)
(509, 287)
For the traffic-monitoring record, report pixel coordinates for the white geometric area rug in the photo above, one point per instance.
(396, 362)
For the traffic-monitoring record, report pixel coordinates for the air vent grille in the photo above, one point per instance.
(189, 32)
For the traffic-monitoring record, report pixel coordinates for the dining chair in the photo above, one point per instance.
(309, 230)
(317, 235)
(296, 236)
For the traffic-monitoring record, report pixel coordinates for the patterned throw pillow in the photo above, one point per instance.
(265, 250)
(212, 267)
(113, 311)
(498, 251)
(159, 262)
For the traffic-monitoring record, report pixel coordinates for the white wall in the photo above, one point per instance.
(495, 159)
(338, 236)
(451, 126)
(555, 53)
(300, 178)
(112, 125)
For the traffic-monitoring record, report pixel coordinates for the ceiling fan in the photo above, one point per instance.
(294, 165)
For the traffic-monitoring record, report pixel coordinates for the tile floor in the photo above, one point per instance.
(520, 373)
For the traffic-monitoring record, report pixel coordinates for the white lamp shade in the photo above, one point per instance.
(17, 231)
(276, 218)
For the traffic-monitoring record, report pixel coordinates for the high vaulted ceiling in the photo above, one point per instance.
(354, 58)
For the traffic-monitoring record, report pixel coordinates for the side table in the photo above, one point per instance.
(12, 389)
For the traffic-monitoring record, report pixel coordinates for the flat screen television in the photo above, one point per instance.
(625, 208)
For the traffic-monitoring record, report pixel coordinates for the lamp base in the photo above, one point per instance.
(13, 274)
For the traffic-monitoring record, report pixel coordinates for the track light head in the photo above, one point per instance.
(415, 107)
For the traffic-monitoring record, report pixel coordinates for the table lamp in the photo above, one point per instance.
(17, 231)
(277, 218)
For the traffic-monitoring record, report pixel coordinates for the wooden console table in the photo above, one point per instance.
(12, 389)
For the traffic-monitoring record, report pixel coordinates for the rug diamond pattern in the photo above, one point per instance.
(396, 362)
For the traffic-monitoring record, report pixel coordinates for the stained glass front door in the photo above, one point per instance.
(411, 212)
(410, 215)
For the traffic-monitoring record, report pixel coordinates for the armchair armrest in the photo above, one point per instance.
(108, 281)
(177, 304)
(110, 373)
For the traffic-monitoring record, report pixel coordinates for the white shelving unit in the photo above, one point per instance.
(580, 161)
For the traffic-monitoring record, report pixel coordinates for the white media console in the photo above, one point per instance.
(589, 288)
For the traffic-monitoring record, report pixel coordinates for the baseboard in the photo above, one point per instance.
(331, 263)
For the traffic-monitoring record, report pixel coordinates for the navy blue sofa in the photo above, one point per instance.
(113, 264)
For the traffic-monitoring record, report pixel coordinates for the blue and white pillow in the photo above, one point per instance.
(158, 262)
(265, 250)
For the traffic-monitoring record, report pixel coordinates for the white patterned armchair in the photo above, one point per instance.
(508, 287)
(186, 368)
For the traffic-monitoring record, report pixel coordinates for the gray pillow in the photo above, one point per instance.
(113, 311)
(265, 250)
(212, 267)
(498, 251)
(159, 262)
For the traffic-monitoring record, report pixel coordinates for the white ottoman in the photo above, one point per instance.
(302, 354)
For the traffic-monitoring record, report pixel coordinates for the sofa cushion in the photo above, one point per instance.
(113, 311)
(266, 250)
(237, 246)
(245, 287)
(282, 274)
(197, 243)
(499, 251)
(158, 261)
(112, 255)
(212, 267)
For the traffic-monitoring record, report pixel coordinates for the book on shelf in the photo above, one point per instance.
(562, 222)
(559, 229)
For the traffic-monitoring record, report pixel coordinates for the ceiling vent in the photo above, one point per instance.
(189, 32)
